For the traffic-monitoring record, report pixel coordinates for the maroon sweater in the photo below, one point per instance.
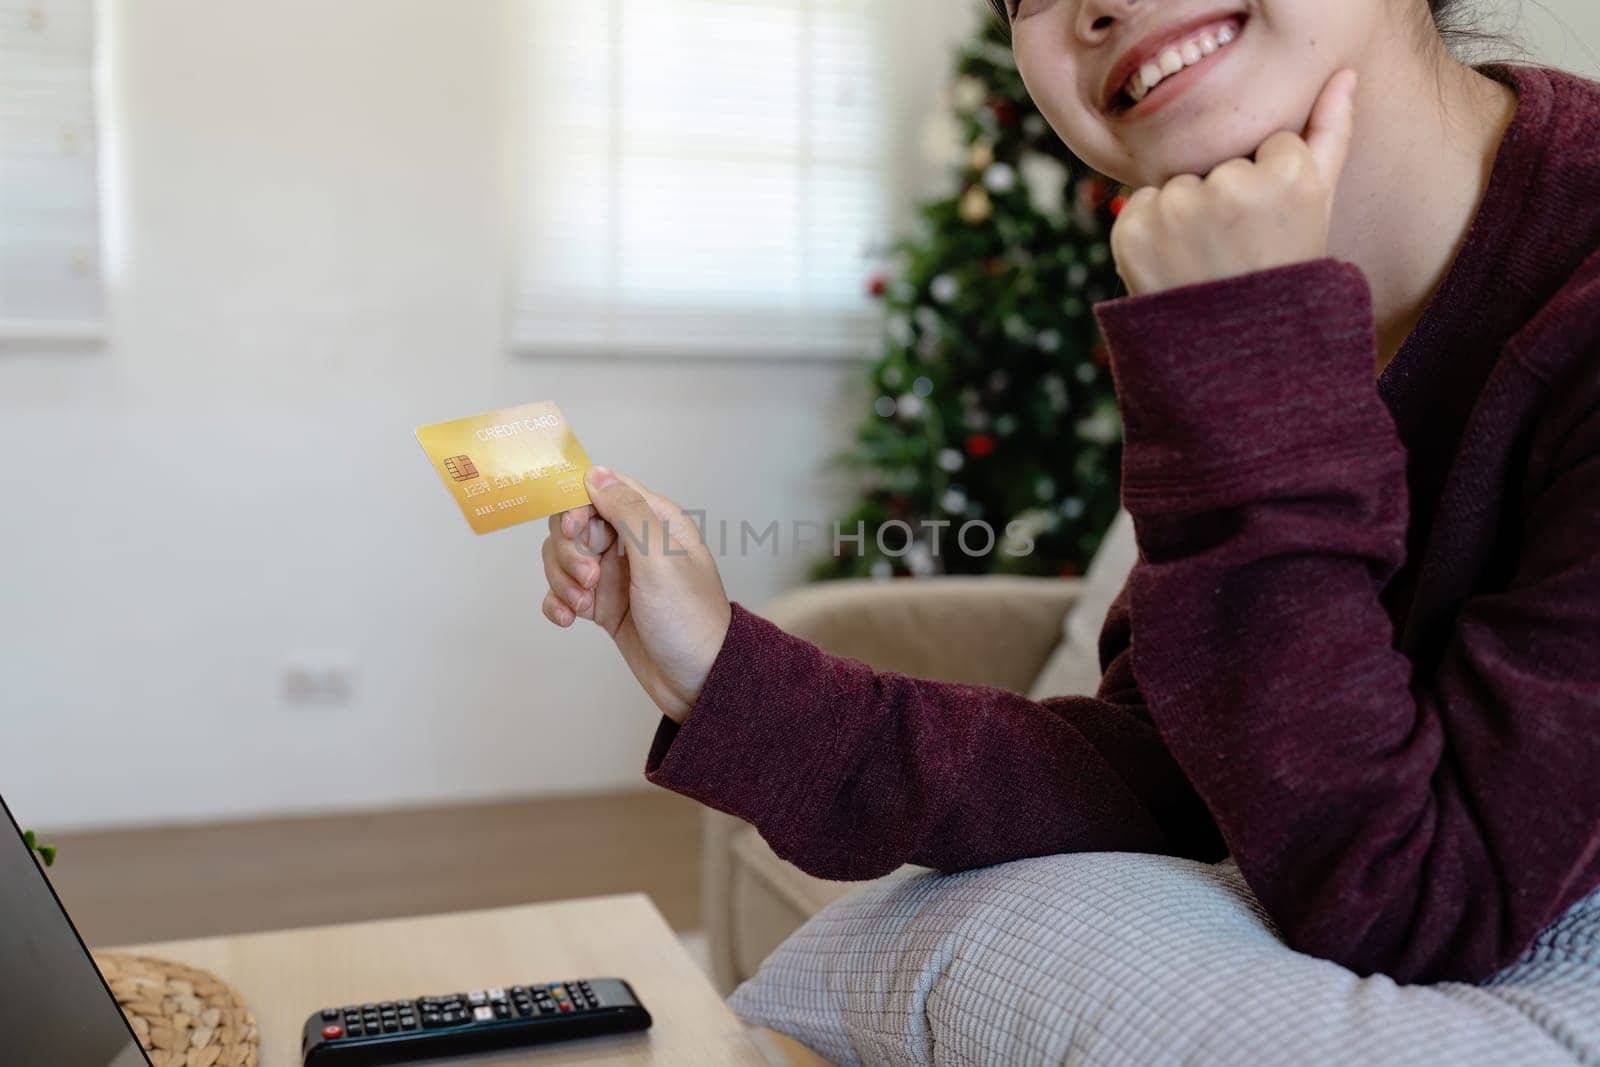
(1359, 651)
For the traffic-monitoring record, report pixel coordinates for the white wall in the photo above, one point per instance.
(310, 202)
(1565, 33)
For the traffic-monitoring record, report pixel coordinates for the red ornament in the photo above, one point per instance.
(1068, 569)
(877, 285)
(1005, 111)
(1099, 353)
(1118, 202)
(1098, 189)
(993, 265)
(980, 445)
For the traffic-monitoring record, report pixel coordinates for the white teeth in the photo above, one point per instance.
(1174, 59)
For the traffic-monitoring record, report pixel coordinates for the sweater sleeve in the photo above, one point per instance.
(1426, 826)
(849, 772)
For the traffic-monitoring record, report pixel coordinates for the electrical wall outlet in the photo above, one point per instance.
(320, 682)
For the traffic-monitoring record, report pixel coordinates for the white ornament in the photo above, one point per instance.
(954, 500)
(1046, 179)
(882, 568)
(1086, 372)
(927, 319)
(908, 405)
(1049, 340)
(945, 288)
(919, 559)
(1000, 178)
(884, 406)
(1005, 425)
(923, 386)
(951, 460)
(1072, 507)
(1101, 428)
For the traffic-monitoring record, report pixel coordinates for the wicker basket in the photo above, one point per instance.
(183, 1016)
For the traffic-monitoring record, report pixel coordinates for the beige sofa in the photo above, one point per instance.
(1036, 636)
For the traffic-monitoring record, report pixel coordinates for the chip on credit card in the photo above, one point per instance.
(509, 466)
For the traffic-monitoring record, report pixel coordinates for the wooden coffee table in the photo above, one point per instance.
(286, 975)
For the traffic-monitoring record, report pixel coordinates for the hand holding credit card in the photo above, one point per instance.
(618, 554)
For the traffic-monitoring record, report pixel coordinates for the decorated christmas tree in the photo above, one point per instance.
(992, 398)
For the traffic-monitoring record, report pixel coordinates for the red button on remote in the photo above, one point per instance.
(331, 1032)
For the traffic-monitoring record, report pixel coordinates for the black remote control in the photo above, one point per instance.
(398, 1031)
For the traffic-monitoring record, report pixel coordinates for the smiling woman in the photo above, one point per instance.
(1358, 370)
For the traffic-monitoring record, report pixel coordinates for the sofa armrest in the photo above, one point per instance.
(984, 630)
(987, 630)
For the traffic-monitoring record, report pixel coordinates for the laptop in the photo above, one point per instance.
(55, 1008)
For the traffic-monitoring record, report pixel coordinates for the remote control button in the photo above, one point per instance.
(331, 1032)
(524, 1008)
(330, 1015)
(477, 997)
(566, 1005)
(497, 994)
(369, 1007)
(483, 1013)
(408, 1022)
(502, 1010)
(432, 1020)
(391, 1026)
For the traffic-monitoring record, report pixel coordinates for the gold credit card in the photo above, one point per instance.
(508, 466)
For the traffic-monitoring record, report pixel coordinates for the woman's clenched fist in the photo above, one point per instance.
(1246, 215)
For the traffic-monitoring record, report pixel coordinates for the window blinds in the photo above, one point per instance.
(49, 216)
(701, 176)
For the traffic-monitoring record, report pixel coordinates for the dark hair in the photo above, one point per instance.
(1449, 15)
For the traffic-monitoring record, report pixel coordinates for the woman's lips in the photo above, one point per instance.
(1174, 67)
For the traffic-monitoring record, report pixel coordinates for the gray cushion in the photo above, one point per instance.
(1073, 669)
(1115, 958)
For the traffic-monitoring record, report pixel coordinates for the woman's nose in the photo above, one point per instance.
(1097, 18)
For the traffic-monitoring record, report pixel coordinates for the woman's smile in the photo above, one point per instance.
(1165, 64)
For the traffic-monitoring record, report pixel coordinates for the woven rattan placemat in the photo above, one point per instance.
(183, 1016)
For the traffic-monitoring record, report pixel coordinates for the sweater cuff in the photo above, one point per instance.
(722, 753)
(1246, 379)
